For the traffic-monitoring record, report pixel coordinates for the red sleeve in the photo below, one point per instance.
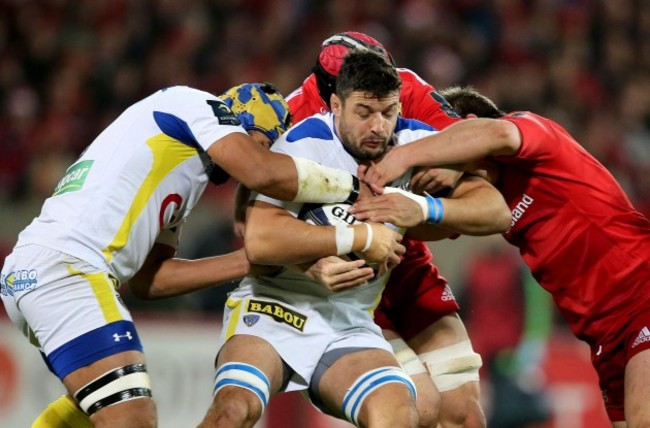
(536, 133)
(421, 101)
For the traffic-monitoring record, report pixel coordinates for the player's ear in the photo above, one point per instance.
(471, 116)
(335, 102)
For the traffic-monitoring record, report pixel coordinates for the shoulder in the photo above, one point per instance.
(529, 121)
(184, 93)
(408, 130)
(412, 79)
(305, 100)
(412, 125)
(312, 127)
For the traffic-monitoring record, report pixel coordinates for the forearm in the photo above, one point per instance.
(482, 211)
(268, 244)
(174, 276)
(463, 142)
(280, 176)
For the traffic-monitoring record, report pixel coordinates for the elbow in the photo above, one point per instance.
(256, 250)
(142, 291)
(503, 220)
(500, 215)
(505, 137)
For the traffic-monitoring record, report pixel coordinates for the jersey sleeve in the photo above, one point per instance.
(194, 117)
(535, 133)
(421, 101)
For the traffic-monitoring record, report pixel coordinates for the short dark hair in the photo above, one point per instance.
(366, 71)
(467, 100)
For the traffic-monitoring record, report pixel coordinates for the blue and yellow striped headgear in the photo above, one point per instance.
(260, 107)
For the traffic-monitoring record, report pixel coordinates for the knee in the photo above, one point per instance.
(428, 406)
(402, 416)
(237, 408)
(462, 412)
(232, 408)
(428, 413)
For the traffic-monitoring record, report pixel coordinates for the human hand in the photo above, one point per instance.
(385, 247)
(431, 180)
(339, 275)
(391, 207)
(391, 166)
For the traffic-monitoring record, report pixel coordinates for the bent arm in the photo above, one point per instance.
(280, 176)
(467, 141)
(274, 236)
(461, 143)
(475, 207)
(163, 275)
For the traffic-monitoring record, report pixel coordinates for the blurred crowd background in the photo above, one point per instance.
(68, 68)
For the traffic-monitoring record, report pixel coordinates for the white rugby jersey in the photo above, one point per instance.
(314, 138)
(142, 175)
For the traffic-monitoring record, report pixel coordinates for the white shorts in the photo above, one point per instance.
(66, 307)
(300, 327)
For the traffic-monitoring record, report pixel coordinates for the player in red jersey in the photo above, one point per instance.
(418, 311)
(575, 228)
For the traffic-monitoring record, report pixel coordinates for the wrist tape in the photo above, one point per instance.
(317, 183)
(421, 200)
(435, 209)
(344, 239)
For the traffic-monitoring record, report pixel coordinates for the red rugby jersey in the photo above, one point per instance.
(575, 227)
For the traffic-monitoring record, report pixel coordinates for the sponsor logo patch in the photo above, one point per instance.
(222, 112)
(17, 281)
(278, 312)
(520, 209)
(74, 178)
(251, 320)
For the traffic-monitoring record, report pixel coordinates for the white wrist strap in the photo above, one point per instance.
(344, 239)
(417, 198)
(368, 238)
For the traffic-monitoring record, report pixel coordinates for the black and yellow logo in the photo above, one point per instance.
(278, 312)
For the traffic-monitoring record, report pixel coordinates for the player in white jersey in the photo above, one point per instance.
(116, 216)
(286, 332)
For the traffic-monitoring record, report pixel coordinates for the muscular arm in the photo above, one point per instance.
(163, 275)
(463, 142)
(475, 207)
(274, 236)
(279, 176)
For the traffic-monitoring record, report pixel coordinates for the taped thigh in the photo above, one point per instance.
(113, 387)
(452, 366)
(245, 376)
(367, 383)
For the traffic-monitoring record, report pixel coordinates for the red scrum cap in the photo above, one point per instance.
(334, 49)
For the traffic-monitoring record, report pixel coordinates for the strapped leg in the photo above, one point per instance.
(244, 376)
(113, 387)
(369, 382)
